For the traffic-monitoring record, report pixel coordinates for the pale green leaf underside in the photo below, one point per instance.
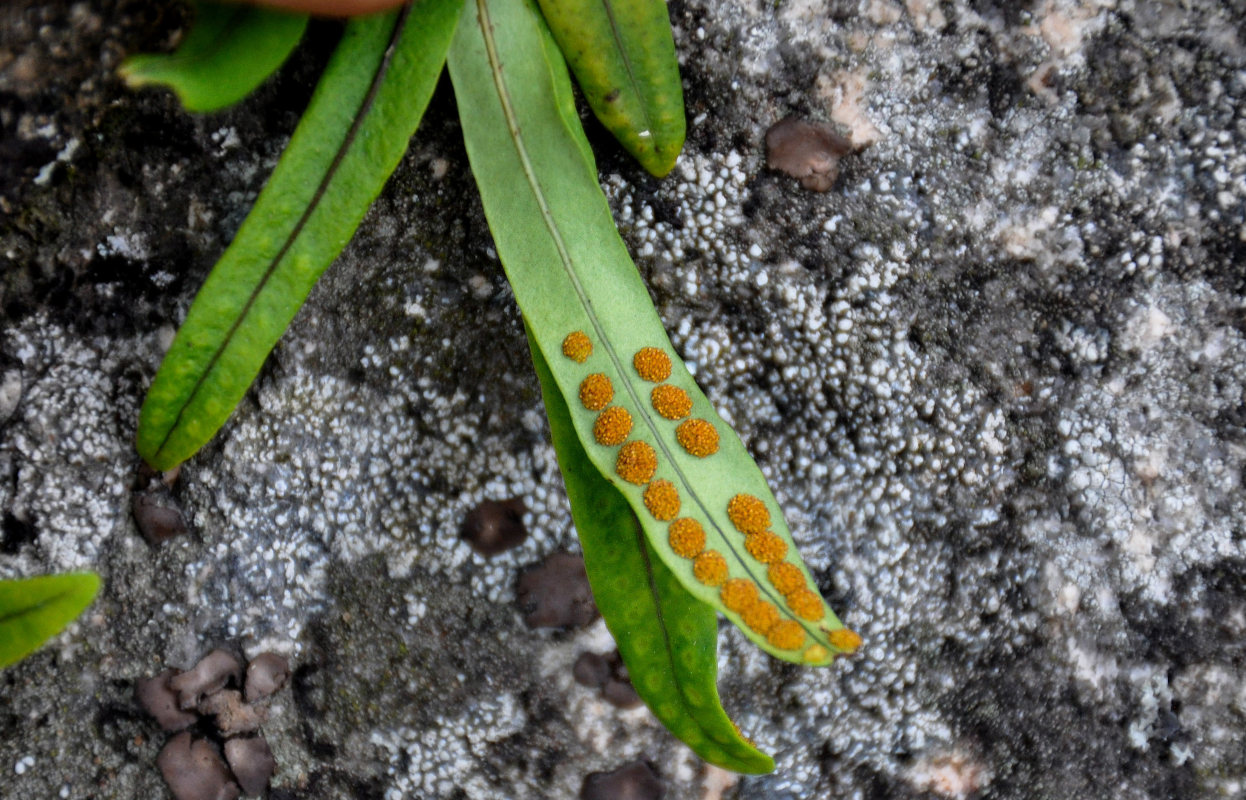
(230, 50)
(623, 57)
(570, 271)
(355, 130)
(32, 610)
(668, 639)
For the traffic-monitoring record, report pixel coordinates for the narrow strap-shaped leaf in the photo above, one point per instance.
(230, 50)
(32, 610)
(668, 639)
(643, 423)
(623, 57)
(354, 132)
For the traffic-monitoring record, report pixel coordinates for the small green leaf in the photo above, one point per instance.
(365, 109)
(572, 277)
(230, 50)
(32, 610)
(668, 639)
(623, 57)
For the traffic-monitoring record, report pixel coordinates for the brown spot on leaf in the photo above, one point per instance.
(809, 151)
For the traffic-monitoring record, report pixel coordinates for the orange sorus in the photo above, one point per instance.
(596, 392)
(662, 500)
(612, 426)
(765, 547)
(786, 635)
(748, 514)
(670, 401)
(739, 594)
(698, 437)
(710, 568)
(687, 538)
(806, 605)
(636, 462)
(577, 347)
(652, 364)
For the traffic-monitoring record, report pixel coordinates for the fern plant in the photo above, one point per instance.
(675, 519)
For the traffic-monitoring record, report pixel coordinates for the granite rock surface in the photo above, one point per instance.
(996, 376)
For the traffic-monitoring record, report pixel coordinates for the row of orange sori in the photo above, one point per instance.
(686, 536)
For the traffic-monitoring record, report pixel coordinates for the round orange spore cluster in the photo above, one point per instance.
(577, 347)
(765, 547)
(652, 364)
(761, 617)
(662, 500)
(636, 462)
(612, 426)
(786, 635)
(710, 568)
(687, 538)
(739, 594)
(748, 514)
(785, 577)
(806, 605)
(698, 437)
(670, 401)
(844, 639)
(596, 392)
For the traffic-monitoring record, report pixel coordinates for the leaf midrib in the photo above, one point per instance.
(37, 607)
(322, 188)
(564, 255)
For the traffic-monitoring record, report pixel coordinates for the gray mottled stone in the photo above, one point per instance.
(997, 377)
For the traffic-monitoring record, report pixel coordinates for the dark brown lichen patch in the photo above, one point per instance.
(556, 594)
(157, 699)
(157, 517)
(207, 677)
(607, 673)
(233, 716)
(494, 526)
(252, 763)
(156, 513)
(192, 767)
(591, 670)
(808, 151)
(194, 770)
(266, 673)
(635, 780)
